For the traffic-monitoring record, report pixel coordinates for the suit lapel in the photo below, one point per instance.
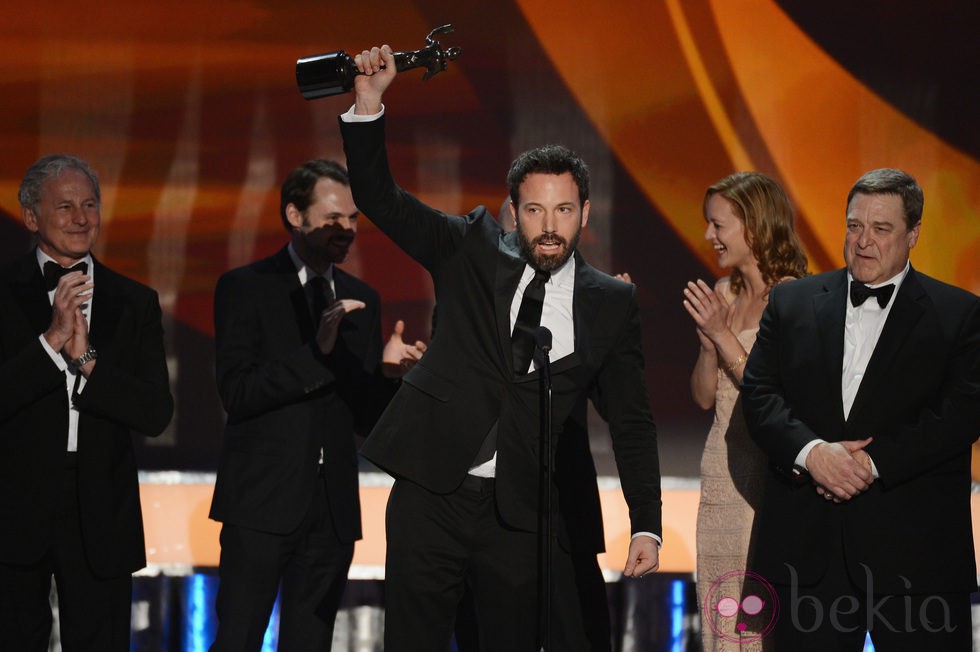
(354, 327)
(285, 283)
(905, 313)
(510, 268)
(830, 311)
(106, 309)
(29, 289)
(586, 303)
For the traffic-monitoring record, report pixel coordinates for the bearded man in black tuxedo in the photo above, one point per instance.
(461, 435)
(299, 371)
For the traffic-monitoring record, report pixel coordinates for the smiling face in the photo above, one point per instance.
(726, 233)
(324, 232)
(878, 239)
(549, 219)
(67, 217)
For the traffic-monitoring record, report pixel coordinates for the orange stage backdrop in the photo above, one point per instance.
(190, 113)
(179, 535)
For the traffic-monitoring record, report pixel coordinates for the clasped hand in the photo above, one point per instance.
(840, 470)
(68, 332)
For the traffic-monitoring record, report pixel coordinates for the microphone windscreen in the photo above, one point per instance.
(542, 338)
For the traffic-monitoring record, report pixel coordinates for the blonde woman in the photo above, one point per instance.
(750, 225)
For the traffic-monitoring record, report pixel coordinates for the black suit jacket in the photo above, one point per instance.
(127, 391)
(919, 399)
(432, 430)
(285, 400)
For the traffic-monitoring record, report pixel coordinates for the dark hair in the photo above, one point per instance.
(889, 181)
(549, 159)
(49, 167)
(298, 187)
(762, 205)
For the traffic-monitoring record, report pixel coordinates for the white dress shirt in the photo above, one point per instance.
(556, 316)
(71, 376)
(862, 328)
(305, 273)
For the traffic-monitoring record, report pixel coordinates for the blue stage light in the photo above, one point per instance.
(199, 591)
(678, 639)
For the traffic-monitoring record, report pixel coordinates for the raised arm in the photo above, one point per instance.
(424, 233)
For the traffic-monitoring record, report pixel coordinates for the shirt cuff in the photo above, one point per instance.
(653, 536)
(55, 356)
(801, 457)
(874, 469)
(350, 116)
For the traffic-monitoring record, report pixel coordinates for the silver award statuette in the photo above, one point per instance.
(323, 75)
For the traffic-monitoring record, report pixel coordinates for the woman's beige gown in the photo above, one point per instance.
(732, 473)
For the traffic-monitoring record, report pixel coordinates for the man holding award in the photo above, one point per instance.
(461, 435)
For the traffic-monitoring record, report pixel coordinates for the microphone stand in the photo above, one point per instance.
(542, 350)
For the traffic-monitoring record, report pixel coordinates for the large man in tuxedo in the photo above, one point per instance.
(864, 390)
(461, 434)
(82, 366)
(299, 372)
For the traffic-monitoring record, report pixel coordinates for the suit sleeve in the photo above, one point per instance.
(620, 395)
(770, 419)
(425, 234)
(946, 427)
(250, 382)
(137, 396)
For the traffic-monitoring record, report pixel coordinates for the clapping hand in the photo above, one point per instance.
(711, 312)
(326, 334)
(398, 357)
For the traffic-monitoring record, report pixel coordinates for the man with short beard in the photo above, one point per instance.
(299, 371)
(461, 435)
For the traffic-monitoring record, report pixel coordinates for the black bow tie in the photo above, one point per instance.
(860, 293)
(53, 272)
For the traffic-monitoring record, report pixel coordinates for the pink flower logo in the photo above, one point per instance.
(741, 607)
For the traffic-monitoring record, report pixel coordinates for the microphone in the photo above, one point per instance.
(542, 339)
(542, 349)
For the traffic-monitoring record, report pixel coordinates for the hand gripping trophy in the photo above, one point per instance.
(323, 75)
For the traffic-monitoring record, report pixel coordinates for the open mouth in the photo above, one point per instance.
(549, 245)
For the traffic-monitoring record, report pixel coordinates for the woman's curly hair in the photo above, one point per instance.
(764, 208)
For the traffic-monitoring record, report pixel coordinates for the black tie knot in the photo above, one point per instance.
(860, 293)
(53, 272)
(536, 285)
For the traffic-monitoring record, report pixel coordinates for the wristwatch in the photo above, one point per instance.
(83, 359)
